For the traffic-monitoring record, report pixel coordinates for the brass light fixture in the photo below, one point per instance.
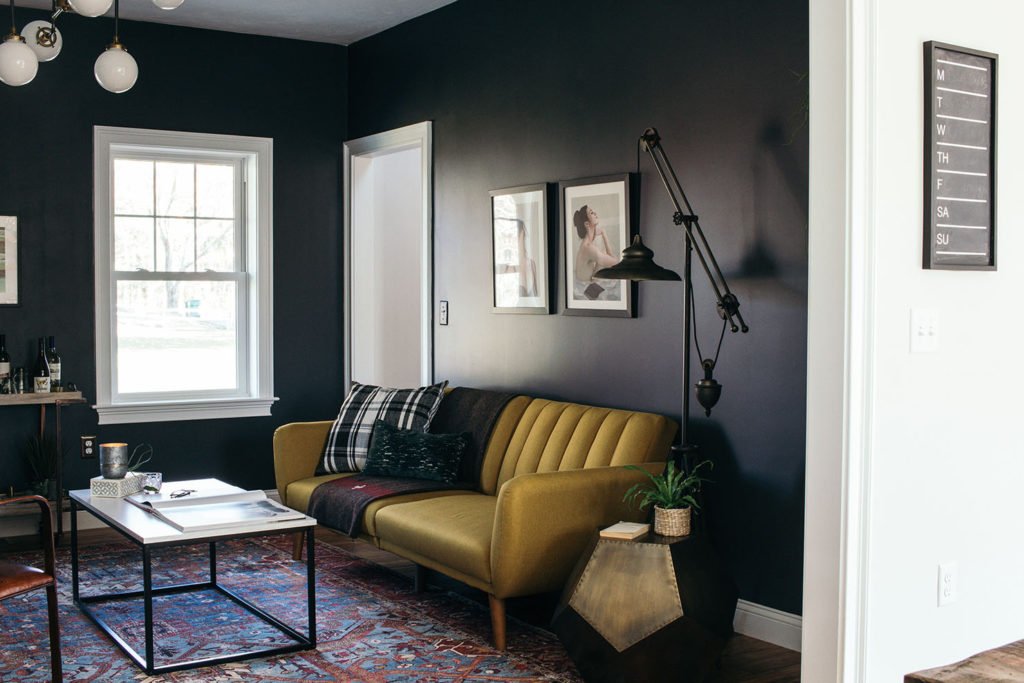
(41, 41)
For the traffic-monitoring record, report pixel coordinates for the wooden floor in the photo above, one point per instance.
(745, 660)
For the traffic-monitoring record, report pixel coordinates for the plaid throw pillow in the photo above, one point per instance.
(349, 438)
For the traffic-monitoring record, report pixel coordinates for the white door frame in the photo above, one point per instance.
(417, 135)
(840, 343)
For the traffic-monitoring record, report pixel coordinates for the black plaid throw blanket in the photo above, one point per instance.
(340, 503)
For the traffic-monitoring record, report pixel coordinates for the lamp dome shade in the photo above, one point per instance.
(91, 8)
(116, 70)
(44, 39)
(637, 264)
(18, 64)
(168, 4)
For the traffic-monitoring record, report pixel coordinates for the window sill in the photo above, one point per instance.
(218, 409)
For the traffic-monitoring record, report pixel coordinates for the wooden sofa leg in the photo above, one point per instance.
(419, 582)
(297, 541)
(497, 621)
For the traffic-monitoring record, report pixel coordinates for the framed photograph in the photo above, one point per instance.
(596, 227)
(8, 261)
(519, 250)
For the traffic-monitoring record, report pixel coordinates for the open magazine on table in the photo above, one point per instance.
(202, 510)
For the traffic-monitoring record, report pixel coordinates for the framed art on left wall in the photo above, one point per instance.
(596, 225)
(8, 261)
(519, 250)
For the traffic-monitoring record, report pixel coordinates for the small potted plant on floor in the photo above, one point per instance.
(673, 495)
(43, 456)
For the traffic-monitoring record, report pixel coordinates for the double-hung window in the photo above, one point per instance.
(183, 275)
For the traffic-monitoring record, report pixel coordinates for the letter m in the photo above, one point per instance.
(940, 74)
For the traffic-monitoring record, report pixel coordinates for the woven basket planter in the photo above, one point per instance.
(674, 522)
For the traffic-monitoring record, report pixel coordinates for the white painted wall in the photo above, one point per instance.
(947, 460)
(922, 464)
(387, 268)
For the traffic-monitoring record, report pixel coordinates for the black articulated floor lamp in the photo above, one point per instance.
(638, 264)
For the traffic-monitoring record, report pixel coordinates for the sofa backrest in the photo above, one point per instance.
(537, 435)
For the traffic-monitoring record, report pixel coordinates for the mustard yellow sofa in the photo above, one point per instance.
(552, 474)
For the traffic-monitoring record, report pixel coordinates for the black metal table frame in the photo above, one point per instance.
(302, 642)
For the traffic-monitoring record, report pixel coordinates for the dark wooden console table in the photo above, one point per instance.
(1002, 664)
(58, 400)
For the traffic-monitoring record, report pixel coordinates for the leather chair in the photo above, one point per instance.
(16, 579)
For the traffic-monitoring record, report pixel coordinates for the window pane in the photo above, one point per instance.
(133, 187)
(175, 189)
(133, 243)
(176, 336)
(216, 245)
(215, 191)
(175, 245)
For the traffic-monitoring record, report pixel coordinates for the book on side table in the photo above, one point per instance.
(625, 531)
(215, 507)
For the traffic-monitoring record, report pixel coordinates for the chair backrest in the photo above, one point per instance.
(46, 528)
(538, 435)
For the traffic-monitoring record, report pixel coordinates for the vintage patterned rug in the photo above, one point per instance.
(372, 626)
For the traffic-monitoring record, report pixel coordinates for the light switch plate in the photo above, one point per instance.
(924, 330)
(442, 313)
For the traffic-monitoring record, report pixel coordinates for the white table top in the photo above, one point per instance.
(148, 529)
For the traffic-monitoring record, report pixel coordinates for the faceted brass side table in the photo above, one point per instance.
(654, 609)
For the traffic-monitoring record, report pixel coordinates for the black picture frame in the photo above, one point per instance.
(520, 250)
(10, 267)
(960, 144)
(612, 196)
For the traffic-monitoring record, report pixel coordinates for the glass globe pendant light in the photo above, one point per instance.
(18, 63)
(168, 4)
(44, 39)
(115, 69)
(91, 8)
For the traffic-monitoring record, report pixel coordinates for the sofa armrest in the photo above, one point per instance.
(297, 449)
(544, 520)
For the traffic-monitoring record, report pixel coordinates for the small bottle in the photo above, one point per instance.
(5, 367)
(41, 375)
(54, 360)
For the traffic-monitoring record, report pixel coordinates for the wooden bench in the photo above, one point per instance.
(1001, 665)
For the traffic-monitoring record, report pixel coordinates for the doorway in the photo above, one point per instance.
(388, 258)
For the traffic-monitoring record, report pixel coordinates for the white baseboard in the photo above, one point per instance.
(767, 624)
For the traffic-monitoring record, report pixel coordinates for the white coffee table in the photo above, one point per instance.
(148, 532)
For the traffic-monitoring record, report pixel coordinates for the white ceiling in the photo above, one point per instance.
(327, 21)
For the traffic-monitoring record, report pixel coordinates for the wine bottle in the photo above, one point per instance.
(5, 367)
(41, 375)
(54, 360)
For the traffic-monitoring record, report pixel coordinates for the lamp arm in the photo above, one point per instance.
(728, 304)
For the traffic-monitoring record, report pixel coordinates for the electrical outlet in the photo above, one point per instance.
(947, 583)
(88, 447)
(443, 312)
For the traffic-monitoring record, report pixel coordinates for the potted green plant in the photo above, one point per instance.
(43, 457)
(673, 494)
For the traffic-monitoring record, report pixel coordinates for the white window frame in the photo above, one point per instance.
(255, 324)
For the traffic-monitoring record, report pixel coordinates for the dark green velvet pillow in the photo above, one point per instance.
(398, 452)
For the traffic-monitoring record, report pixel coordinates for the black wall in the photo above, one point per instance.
(536, 91)
(191, 80)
